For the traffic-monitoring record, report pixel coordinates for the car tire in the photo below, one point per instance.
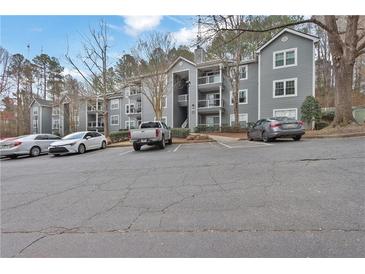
(265, 137)
(103, 145)
(81, 149)
(35, 151)
(56, 155)
(162, 144)
(297, 138)
(170, 141)
(249, 137)
(137, 147)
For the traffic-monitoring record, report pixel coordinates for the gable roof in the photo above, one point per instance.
(177, 59)
(42, 102)
(295, 32)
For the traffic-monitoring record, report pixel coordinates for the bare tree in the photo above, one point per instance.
(94, 61)
(4, 64)
(153, 52)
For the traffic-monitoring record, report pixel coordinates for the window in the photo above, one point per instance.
(285, 88)
(114, 120)
(55, 123)
(35, 110)
(288, 112)
(129, 108)
(41, 137)
(242, 118)
(56, 111)
(285, 58)
(212, 121)
(114, 104)
(243, 72)
(35, 123)
(132, 124)
(242, 97)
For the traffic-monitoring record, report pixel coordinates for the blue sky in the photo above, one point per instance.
(54, 33)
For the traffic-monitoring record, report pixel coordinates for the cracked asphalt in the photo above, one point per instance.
(236, 199)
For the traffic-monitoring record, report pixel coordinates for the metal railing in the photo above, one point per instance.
(93, 108)
(93, 124)
(209, 79)
(210, 103)
(182, 98)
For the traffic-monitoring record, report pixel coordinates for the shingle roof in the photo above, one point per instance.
(42, 102)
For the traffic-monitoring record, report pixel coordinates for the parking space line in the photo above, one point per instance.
(223, 144)
(126, 152)
(177, 148)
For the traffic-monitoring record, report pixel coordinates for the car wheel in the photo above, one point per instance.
(137, 147)
(56, 155)
(103, 145)
(35, 151)
(162, 143)
(297, 138)
(13, 156)
(81, 149)
(170, 141)
(249, 137)
(265, 137)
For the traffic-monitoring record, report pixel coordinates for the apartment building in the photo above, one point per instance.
(274, 83)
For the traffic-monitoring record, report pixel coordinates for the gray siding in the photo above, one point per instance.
(46, 120)
(303, 72)
(117, 112)
(82, 116)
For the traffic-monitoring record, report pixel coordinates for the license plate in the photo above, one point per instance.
(291, 126)
(5, 147)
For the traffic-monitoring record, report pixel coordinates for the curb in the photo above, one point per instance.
(356, 134)
(176, 143)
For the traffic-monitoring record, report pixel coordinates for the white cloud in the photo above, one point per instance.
(73, 72)
(134, 25)
(185, 36)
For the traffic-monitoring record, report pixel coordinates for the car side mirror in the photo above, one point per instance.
(87, 137)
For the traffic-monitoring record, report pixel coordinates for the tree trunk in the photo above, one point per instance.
(343, 104)
(106, 118)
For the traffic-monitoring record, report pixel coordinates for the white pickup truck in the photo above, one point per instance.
(150, 133)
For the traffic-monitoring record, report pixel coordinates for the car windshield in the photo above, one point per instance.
(150, 125)
(77, 135)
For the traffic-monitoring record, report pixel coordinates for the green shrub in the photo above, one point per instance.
(180, 132)
(328, 115)
(118, 136)
(321, 124)
(311, 110)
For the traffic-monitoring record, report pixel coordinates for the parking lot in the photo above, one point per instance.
(216, 199)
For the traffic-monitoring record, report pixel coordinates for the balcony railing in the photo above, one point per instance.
(93, 124)
(93, 108)
(182, 99)
(210, 103)
(209, 79)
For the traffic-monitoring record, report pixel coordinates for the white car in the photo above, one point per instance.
(32, 145)
(78, 142)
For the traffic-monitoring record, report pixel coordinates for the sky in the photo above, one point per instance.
(54, 35)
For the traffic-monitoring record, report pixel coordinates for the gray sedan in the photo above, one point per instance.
(276, 127)
(32, 145)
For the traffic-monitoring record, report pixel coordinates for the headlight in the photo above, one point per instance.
(71, 144)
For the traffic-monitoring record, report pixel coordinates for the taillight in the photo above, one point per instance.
(157, 132)
(275, 124)
(301, 123)
(17, 143)
(129, 134)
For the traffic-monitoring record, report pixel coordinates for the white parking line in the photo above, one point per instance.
(125, 152)
(177, 148)
(223, 144)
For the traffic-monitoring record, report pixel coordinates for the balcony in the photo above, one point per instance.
(92, 108)
(210, 105)
(93, 125)
(209, 79)
(183, 100)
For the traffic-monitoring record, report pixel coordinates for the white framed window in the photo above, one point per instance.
(130, 124)
(55, 123)
(35, 123)
(243, 72)
(35, 110)
(212, 120)
(129, 108)
(242, 118)
(114, 120)
(242, 97)
(285, 88)
(55, 111)
(285, 58)
(286, 112)
(114, 104)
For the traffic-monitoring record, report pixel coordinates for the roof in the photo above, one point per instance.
(177, 59)
(42, 102)
(295, 32)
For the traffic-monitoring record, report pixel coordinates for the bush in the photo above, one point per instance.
(311, 110)
(321, 124)
(118, 136)
(328, 115)
(223, 128)
(180, 132)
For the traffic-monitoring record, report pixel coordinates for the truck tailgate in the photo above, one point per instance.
(146, 133)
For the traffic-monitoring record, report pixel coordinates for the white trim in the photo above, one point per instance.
(177, 59)
(230, 97)
(111, 104)
(246, 66)
(259, 88)
(130, 104)
(285, 52)
(285, 80)
(310, 37)
(281, 109)
(314, 73)
(128, 122)
(111, 120)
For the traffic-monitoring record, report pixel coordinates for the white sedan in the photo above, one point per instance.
(78, 142)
